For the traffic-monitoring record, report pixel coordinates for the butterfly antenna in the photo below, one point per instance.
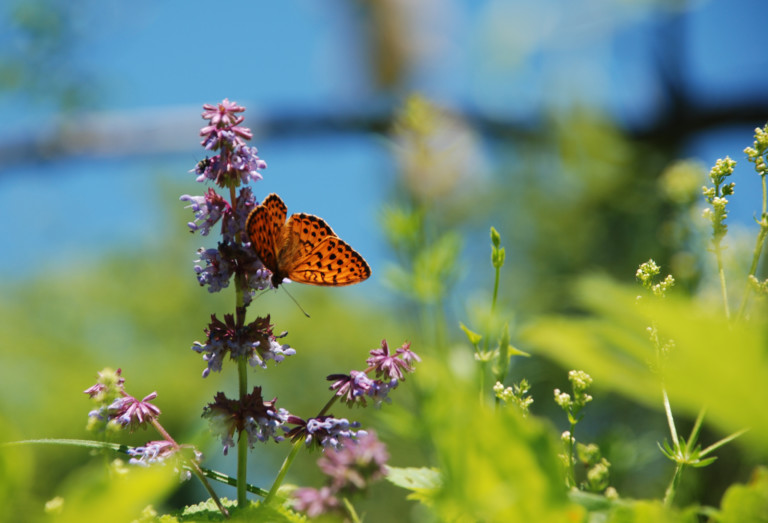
(296, 302)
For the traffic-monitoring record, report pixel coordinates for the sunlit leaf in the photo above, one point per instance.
(713, 363)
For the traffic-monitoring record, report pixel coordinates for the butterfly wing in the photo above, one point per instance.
(306, 230)
(313, 254)
(265, 230)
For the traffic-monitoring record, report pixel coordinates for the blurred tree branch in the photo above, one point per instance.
(131, 133)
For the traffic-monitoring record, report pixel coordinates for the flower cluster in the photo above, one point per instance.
(350, 469)
(517, 394)
(323, 431)
(160, 451)
(151, 452)
(108, 387)
(215, 268)
(389, 369)
(716, 197)
(259, 419)
(235, 164)
(756, 153)
(647, 273)
(254, 341)
(572, 405)
(597, 467)
(117, 409)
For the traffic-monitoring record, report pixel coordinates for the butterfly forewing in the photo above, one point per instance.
(264, 227)
(330, 262)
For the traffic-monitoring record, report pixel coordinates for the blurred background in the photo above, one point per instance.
(582, 131)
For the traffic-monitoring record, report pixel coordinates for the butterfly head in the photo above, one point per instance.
(277, 280)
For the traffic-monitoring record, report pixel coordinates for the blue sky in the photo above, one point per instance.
(157, 62)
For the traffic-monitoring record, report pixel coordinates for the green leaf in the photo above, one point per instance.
(85, 443)
(423, 482)
(118, 492)
(711, 363)
(516, 352)
(747, 502)
(703, 462)
(474, 338)
(495, 464)
(495, 237)
(413, 478)
(650, 512)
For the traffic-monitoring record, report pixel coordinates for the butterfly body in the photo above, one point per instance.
(304, 249)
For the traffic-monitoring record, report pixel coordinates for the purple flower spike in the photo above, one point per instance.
(257, 417)
(355, 466)
(407, 355)
(208, 210)
(395, 366)
(352, 387)
(223, 114)
(236, 162)
(323, 431)
(152, 452)
(132, 413)
(246, 163)
(314, 502)
(255, 341)
(216, 272)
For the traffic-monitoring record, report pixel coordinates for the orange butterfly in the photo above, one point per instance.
(305, 249)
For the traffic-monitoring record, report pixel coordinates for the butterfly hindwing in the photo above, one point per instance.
(307, 231)
(331, 262)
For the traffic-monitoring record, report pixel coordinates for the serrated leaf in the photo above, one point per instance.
(611, 343)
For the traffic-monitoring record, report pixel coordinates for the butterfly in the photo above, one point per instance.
(304, 249)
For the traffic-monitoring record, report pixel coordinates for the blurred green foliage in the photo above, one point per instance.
(577, 198)
(713, 363)
(141, 313)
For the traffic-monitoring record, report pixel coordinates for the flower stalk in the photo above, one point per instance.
(756, 155)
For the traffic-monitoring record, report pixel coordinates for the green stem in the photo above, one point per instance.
(294, 451)
(242, 442)
(571, 470)
(328, 405)
(721, 274)
(228, 480)
(495, 290)
(487, 340)
(354, 518)
(758, 246)
(755, 259)
(193, 466)
(242, 380)
(284, 470)
(482, 381)
(669, 495)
